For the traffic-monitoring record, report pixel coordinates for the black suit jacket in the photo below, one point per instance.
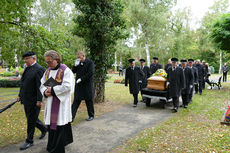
(133, 76)
(147, 74)
(155, 67)
(30, 85)
(189, 80)
(176, 79)
(84, 71)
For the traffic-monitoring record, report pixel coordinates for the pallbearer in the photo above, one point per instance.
(195, 77)
(155, 65)
(133, 76)
(147, 74)
(188, 82)
(175, 82)
(58, 106)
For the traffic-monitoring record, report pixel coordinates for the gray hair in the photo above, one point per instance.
(55, 55)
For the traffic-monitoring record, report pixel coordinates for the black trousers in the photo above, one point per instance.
(120, 72)
(175, 102)
(89, 105)
(32, 113)
(135, 96)
(185, 98)
(225, 77)
(190, 94)
(198, 87)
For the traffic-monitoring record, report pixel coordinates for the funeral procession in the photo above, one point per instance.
(114, 76)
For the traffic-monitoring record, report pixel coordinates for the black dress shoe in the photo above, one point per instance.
(43, 135)
(174, 110)
(89, 119)
(26, 145)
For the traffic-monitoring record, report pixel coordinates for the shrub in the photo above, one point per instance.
(9, 83)
(7, 74)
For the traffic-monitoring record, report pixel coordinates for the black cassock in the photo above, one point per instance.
(177, 82)
(85, 89)
(189, 80)
(167, 66)
(132, 77)
(147, 74)
(29, 94)
(155, 67)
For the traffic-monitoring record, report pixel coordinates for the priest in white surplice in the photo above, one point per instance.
(58, 103)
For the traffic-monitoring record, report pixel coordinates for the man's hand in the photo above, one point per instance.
(39, 104)
(140, 81)
(18, 99)
(167, 84)
(77, 62)
(191, 86)
(78, 80)
(48, 91)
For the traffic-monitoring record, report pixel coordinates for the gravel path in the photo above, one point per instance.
(105, 132)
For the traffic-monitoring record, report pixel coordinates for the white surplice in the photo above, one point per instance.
(63, 92)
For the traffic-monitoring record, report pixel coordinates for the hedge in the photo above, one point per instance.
(9, 83)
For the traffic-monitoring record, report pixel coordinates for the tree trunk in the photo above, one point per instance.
(99, 90)
(147, 52)
(220, 68)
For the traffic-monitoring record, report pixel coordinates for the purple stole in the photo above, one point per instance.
(56, 102)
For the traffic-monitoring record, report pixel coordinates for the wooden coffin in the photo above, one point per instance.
(157, 82)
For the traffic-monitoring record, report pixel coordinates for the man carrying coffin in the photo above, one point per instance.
(30, 95)
(188, 83)
(58, 114)
(133, 76)
(195, 79)
(175, 82)
(155, 65)
(147, 74)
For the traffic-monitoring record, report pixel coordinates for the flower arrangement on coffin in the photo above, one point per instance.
(160, 72)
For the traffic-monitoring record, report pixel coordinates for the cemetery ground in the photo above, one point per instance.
(196, 129)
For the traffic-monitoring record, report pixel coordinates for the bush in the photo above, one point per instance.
(9, 83)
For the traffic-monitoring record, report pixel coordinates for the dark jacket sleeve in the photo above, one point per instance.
(191, 77)
(38, 77)
(89, 73)
(182, 79)
(74, 69)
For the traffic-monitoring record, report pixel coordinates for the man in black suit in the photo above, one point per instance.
(133, 76)
(147, 74)
(195, 77)
(175, 82)
(167, 66)
(189, 77)
(155, 65)
(31, 97)
(84, 88)
(201, 75)
(225, 72)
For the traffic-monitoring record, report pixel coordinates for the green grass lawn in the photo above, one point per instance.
(196, 129)
(13, 120)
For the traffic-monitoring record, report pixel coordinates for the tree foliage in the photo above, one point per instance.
(220, 32)
(100, 24)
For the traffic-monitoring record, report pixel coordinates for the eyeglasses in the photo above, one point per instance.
(49, 62)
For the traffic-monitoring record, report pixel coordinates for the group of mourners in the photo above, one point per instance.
(182, 79)
(59, 109)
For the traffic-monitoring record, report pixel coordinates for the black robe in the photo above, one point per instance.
(189, 80)
(133, 77)
(177, 81)
(147, 74)
(155, 67)
(85, 71)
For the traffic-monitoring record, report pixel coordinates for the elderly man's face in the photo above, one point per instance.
(29, 60)
(81, 57)
(155, 61)
(174, 64)
(51, 62)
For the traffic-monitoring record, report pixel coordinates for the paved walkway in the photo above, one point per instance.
(105, 132)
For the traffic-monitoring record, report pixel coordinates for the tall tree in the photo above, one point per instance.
(100, 24)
